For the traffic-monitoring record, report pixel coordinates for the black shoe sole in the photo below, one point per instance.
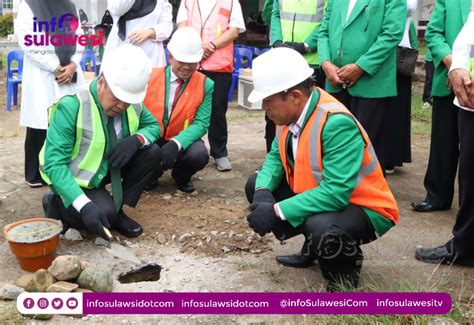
(130, 235)
(298, 266)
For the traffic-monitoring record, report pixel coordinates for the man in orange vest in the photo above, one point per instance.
(321, 178)
(180, 98)
(219, 22)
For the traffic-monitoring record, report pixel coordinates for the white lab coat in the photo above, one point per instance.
(39, 87)
(462, 49)
(160, 19)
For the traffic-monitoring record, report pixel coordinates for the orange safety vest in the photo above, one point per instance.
(371, 189)
(211, 29)
(186, 107)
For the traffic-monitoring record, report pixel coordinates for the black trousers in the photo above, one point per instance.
(270, 128)
(188, 163)
(463, 230)
(399, 125)
(138, 172)
(429, 71)
(218, 126)
(34, 141)
(372, 113)
(444, 152)
(333, 238)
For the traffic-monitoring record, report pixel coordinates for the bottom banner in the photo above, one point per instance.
(235, 303)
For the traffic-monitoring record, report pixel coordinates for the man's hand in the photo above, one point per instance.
(330, 70)
(462, 85)
(350, 73)
(448, 60)
(263, 218)
(121, 153)
(263, 195)
(208, 49)
(299, 47)
(170, 153)
(141, 36)
(64, 74)
(94, 219)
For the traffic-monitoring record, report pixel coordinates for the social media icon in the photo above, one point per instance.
(43, 303)
(72, 303)
(57, 303)
(28, 303)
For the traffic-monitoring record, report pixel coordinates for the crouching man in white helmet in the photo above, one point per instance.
(180, 98)
(99, 136)
(321, 178)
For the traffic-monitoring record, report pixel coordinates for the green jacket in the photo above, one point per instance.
(343, 151)
(267, 12)
(368, 39)
(413, 36)
(445, 24)
(277, 35)
(201, 121)
(60, 140)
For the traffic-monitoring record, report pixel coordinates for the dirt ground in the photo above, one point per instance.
(204, 244)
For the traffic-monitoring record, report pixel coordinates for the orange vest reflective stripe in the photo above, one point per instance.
(186, 107)
(211, 29)
(371, 190)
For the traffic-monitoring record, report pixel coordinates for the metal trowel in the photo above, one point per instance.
(120, 251)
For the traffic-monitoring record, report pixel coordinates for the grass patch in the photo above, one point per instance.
(420, 117)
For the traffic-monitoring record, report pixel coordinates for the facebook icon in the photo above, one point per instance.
(28, 303)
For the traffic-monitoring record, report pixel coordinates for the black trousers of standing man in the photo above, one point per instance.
(444, 152)
(372, 113)
(34, 141)
(218, 125)
(136, 174)
(333, 238)
(463, 230)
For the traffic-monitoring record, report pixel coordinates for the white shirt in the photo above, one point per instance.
(295, 129)
(411, 8)
(160, 20)
(349, 9)
(206, 7)
(173, 86)
(461, 50)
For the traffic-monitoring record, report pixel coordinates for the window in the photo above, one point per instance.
(7, 4)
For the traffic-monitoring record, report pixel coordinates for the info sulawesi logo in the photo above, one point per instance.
(63, 30)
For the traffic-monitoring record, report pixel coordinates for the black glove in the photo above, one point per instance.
(299, 47)
(121, 153)
(263, 218)
(278, 44)
(263, 196)
(94, 219)
(170, 153)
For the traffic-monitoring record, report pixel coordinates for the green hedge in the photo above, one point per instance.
(6, 25)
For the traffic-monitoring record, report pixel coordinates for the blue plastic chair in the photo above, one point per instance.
(239, 54)
(264, 50)
(14, 77)
(89, 55)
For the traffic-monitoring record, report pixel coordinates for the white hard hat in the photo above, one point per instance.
(185, 45)
(277, 70)
(127, 71)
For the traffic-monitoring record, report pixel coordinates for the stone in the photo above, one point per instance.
(96, 279)
(62, 286)
(66, 267)
(99, 241)
(40, 282)
(85, 264)
(161, 239)
(41, 316)
(185, 237)
(441, 321)
(225, 249)
(232, 234)
(214, 232)
(81, 290)
(194, 193)
(10, 292)
(166, 196)
(24, 279)
(73, 235)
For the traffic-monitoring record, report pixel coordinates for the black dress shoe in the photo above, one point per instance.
(186, 187)
(50, 207)
(296, 260)
(442, 254)
(127, 227)
(425, 207)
